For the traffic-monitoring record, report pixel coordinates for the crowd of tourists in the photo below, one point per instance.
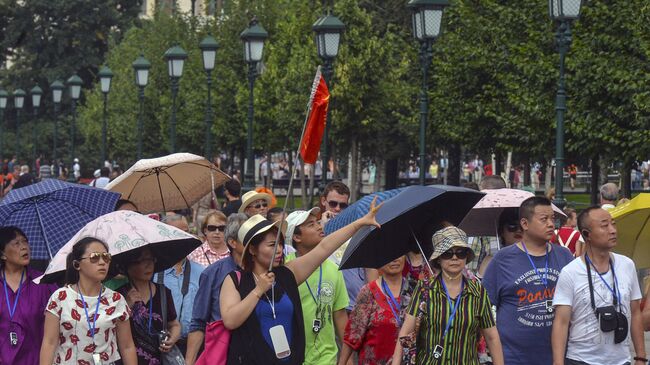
(533, 295)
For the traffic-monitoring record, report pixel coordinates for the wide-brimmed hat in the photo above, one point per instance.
(254, 226)
(447, 238)
(295, 219)
(252, 196)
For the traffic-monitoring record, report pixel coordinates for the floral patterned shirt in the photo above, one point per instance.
(372, 328)
(76, 342)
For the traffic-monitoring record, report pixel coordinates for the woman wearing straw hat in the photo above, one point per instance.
(255, 203)
(262, 308)
(446, 316)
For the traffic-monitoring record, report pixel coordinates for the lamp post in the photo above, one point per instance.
(3, 105)
(175, 57)
(253, 38)
(105, 77)
(426, 22)
(141, 68)
(208, 48)
(19, 101)
(74, 84)
(328, 29)
(57, 94)
(563, 12)
(36, 92)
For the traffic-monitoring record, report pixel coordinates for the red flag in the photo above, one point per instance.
(318, 103)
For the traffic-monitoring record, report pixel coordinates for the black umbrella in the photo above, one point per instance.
(415, 213)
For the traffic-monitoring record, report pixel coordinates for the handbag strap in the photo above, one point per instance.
(163, 301)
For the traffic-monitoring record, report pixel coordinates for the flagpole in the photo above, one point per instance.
(291, 178)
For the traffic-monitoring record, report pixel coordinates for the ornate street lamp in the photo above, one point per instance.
(105, 77)
(19, 101)
(208, 48)
(563, 12)
(141, 68)
(328, 29)
(175, 57)
(36, 92)
(57, 94)
(74, 84)
(3, 105)
(426, 23)
(253, 38)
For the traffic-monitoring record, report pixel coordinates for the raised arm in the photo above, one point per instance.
(304, 265)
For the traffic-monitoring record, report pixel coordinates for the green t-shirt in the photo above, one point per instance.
(320, 348)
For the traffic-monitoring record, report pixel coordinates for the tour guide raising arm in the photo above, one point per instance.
(235, 311)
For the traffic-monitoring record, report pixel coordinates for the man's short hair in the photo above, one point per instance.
(527, 207)
(471, 185)
(583, 218)
(233, 187)
(337, 186)
(104, 172)
(609, 192)
(492, 182)
(233, 224)
(273, 211)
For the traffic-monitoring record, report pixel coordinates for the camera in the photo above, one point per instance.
(162, 337)
(612, 320)
(437, 352)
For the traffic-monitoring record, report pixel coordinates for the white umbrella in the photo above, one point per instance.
(176, 181)
(124, 231)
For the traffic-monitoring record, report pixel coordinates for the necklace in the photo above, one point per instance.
(449, 277)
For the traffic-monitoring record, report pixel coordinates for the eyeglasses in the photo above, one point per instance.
(95, 256)
(460, 253)
(212, 228)
(333, 204)
(513, 227)
(259, 205)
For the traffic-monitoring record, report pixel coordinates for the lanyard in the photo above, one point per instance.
(392, 302)
(272, 299)
(544, 278)
(12, 310)
(95, 315)
(320, 281)
(454, 307)
(616, 294)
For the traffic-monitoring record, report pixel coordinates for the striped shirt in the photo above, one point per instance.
(460, 344)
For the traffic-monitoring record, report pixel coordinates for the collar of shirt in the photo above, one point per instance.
(470, 287)
(208, 249)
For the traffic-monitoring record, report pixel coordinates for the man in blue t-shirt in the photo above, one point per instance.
(520, 282)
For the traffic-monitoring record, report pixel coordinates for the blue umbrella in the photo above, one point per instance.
(358, 209)
(52, 211)
(408, 221)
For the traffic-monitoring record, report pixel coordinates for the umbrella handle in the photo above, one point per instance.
(422, 252)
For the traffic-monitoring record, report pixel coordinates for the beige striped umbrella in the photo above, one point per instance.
(176, 181)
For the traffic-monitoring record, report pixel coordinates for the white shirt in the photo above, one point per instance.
(585, 335)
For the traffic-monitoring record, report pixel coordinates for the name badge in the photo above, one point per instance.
(97, 360)
(549, 306)
(280, 342)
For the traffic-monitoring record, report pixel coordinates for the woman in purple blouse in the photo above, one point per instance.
(22, 302)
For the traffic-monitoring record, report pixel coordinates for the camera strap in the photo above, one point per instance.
(614, 288)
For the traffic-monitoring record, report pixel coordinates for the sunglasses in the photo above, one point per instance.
(95, 256)
(333, 204)
(460, 253)
(212, 228)
(513, 227)
(259, 205)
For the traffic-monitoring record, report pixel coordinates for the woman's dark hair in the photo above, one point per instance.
(72, 260)
(8, 234)
(506, 217)
(122, 202)
(247, 258)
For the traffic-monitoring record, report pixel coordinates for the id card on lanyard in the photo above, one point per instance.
(97, 360)
(13, 336)
(437, 351)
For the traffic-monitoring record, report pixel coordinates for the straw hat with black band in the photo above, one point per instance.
(251, 197)
(254, 226)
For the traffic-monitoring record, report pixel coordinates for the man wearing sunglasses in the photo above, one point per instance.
(334, 200)
(598, 282)
(520, 281)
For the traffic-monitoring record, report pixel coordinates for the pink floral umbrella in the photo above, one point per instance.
(124, 231)
(483, 219)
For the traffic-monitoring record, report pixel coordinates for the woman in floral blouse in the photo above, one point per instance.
(375, 320)
(85, 322)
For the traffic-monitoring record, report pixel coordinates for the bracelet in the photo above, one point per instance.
(638, 358)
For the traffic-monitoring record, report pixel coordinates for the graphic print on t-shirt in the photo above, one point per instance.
(533, 296)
